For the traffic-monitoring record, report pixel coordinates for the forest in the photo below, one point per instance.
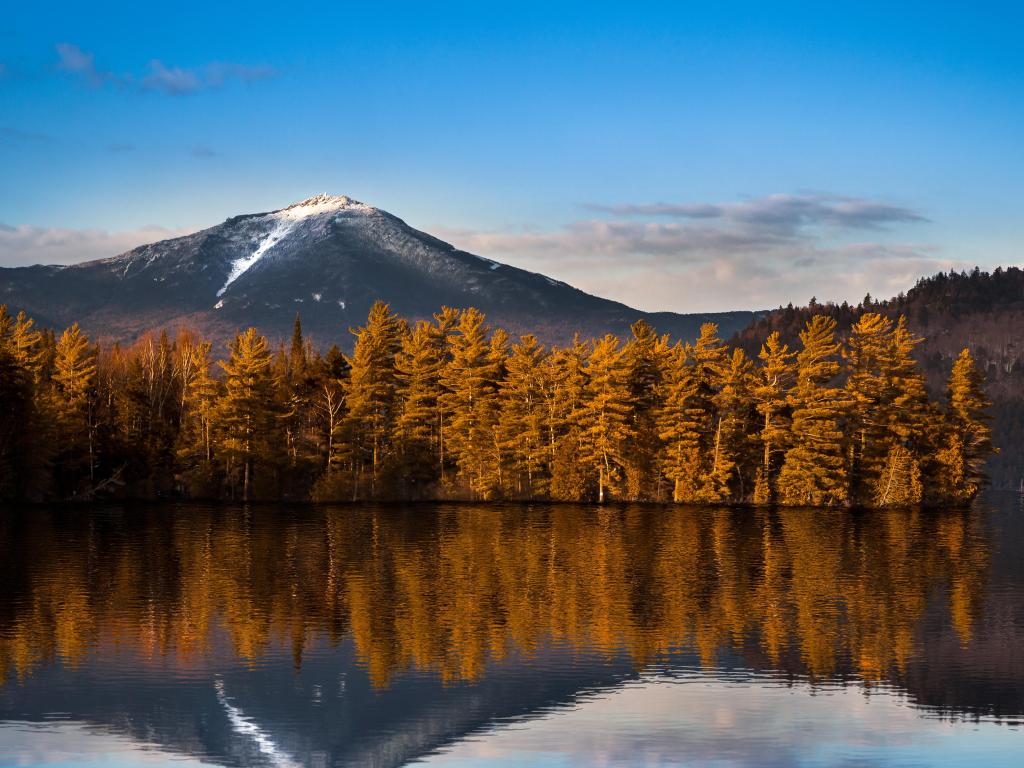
(983, 311)
(452, 409)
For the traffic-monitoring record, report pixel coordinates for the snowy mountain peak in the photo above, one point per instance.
(321, 204)
(313, 214)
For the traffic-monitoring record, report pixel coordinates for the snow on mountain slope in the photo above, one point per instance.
(241, 264)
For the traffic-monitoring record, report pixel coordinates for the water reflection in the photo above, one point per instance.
(466, 614)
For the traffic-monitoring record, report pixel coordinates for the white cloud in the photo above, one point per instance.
(749, 254)
(173, 80)
(785, 213)
(78, 62)
(161, 77)
(25, 245)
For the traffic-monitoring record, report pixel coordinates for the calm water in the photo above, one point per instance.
(512, 635)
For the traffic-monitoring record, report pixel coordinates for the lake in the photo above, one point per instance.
(507, 635)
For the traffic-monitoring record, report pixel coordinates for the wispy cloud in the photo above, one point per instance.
(159, 77)
(784, 213)
(173, 80)
(219, 72)
(75, 61)
(23, 245)
(751, 253)
(11, 134)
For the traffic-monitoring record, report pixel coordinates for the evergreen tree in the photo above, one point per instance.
(298, 354)
(774, 380)
(734, 409)
(644, 358)
(246, 416)
(604, 417)
(371, 399)
(16, 412)
(692, 459)
(564, 408)
(194, 449)
(446, 321)
(684, 423)
(907, 417)
(74, 378)
(298, 389)
(523, 423)
(969, 439)
(27, 346)
(417, 428)
(868, 389)
(814, 470)
(470, 382)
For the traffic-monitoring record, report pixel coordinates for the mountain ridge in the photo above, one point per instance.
(328, 258)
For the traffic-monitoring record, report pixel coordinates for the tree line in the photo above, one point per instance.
(981, 310)
(452, 409)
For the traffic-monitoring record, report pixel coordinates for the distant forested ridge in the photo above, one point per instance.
(452, 409)
(980, 311)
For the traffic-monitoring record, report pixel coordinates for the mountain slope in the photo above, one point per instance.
(328, 258)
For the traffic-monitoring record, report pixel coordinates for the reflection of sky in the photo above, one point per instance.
(73, 745)
(666, 722)
(654, 721)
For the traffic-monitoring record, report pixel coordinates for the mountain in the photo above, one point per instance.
(981, 311)
(328, 258)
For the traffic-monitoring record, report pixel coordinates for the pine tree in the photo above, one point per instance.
(774, 380)
(814, 470)
(74, 379)
(470, 381)
(684, 423)
(16, 413)
(734, 410)
(689, 417)
(868, 390)
(523, 419)
(604, 417)
(644, 358)
(246, 415)
(371, 399)
(969, 439)
(194, 454)
(564, 407)
(298, 354)
(417, 428)
(298, 388)
(907, 416)
(27, 346)
(446, 321)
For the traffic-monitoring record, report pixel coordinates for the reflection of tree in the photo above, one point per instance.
(453, 591)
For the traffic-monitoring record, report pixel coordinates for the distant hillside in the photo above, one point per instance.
(979, 310)
(328, 258)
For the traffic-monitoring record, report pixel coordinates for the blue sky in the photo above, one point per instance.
(677, 156)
